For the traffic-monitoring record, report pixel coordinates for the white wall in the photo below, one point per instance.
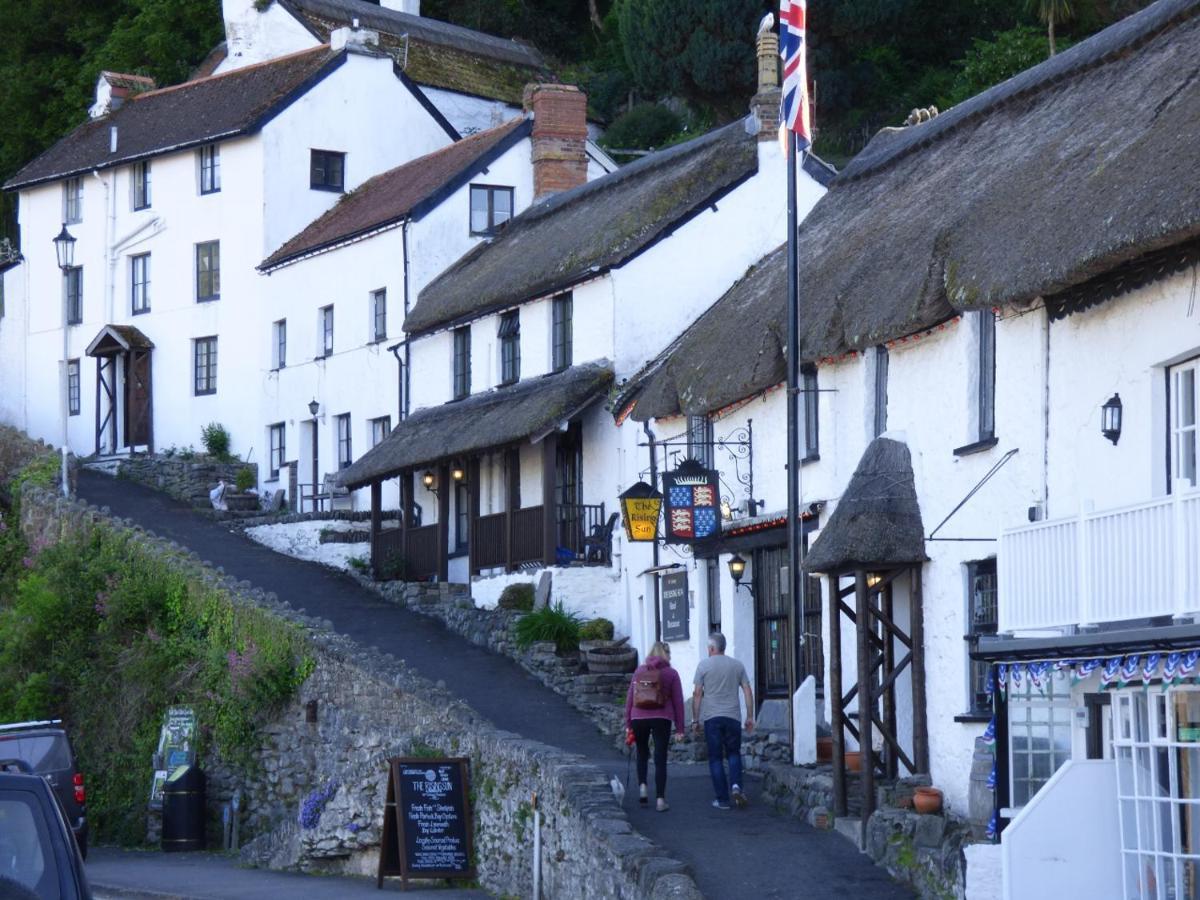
(14, 394)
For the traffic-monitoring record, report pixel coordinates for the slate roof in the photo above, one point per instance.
(436, 53)
(877, 522)
(578, 234)
(407, 191)
(1075, 169)
(481, 422)
(186, 115)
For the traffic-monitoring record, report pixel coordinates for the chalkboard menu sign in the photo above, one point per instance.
(675, 606)
(427, 824)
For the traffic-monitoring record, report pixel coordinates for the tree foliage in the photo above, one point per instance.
(989, 62)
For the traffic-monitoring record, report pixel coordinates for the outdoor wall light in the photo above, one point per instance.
(429, 480)
(313, 407)
(737, 569)
(64, 249)
(726, 510)
(457, 472)
(1110, 418)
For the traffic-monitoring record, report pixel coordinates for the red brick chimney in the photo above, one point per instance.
(559, 134)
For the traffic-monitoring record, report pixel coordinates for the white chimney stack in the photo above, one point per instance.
(354, 39)
(412, 7)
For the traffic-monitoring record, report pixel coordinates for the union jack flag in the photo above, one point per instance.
(792, 47)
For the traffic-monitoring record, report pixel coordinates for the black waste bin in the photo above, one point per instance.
(183, 810)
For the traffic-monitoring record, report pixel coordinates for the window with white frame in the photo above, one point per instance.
(210, 169)
(491, 208)
(881, 392)
(72, 205)
(140, 184)
(279, 344)
(700, 440)
(981, 620)
(139, 283)
(510, 347)
(808, 418)
(1039, 734)
(325, 331)
(1156, 743)
(208, 271)
(278, 437)
(1184, 424)
(380, 429)
(73, 294)
(204, 365)
(379, 314)
(344, 454)
(73, 387)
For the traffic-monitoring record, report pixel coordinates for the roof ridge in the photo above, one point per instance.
(238, 71)
(1093, 52)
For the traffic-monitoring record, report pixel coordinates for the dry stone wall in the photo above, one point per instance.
(325, 756)
(186, 480)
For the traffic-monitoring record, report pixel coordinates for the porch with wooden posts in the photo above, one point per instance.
(872, 552)
(124, 388)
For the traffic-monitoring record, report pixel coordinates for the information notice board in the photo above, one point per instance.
(427, 825)
(675, 606)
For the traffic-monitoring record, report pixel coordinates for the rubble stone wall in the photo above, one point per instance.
(186, 480)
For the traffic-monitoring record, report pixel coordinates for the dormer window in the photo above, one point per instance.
(210, 169)
(491, 208)
(327, 171)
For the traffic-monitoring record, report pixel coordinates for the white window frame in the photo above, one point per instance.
(325, 332)
(279, 344)
(72, 201)
(139, 185)
(208, 265)
(1034, 711)
(380, 429)
(208, 160)
(1183, 424)
(208, 385)
(74, 387)
(345, 452)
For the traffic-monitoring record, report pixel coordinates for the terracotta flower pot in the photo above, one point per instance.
(824, 749)
(927, 800)
(853, 760)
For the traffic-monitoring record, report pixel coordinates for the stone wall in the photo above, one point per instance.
(358, 708)
(17, 449)
(186, 480)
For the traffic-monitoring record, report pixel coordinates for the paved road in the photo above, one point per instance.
(750, 853)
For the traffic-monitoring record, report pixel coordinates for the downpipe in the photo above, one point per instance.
(537, 849)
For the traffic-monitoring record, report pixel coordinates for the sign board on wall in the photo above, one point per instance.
(675, 612)
(176, 747)
(427, 824)
(692, 497)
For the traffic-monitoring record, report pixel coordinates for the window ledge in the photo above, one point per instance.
(811, 458)
(974, 718)
(977, 447)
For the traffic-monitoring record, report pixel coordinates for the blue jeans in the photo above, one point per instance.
(724, 738)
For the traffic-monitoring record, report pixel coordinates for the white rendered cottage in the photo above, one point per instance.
(173, 197)
(1027, 351)
(338, 292)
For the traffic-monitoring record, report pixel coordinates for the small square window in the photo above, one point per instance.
(73, 294)
(73, 387)
(327, 170)
(325, 334)
(491, 208)
(139, 283)
(141, 184)
(208, 271)
(205, 366)
(210, 169)
(72, 212)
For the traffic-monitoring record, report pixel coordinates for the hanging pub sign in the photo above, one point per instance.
(692, 498)
(640, 506)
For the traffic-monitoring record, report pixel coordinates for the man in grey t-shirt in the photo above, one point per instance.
(715, 702)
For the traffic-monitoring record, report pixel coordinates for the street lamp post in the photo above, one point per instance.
(313, 409)
(64, 252)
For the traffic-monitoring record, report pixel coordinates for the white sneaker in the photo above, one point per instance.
(662, 806)
(717, 804)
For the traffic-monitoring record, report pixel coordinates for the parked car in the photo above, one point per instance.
(46, 749)
(39, 858)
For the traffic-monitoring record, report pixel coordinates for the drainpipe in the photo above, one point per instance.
(407, 382)
(110, 259)
(654, 544)
(401, 376)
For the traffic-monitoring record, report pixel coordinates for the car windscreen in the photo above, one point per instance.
(26, 856)
(44, 752)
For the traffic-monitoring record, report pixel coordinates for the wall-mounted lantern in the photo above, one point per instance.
(64, 249)
(429, 480)
(1110, 418)
(458, 472)
(640, 508)
(313, 407)
(737, 570)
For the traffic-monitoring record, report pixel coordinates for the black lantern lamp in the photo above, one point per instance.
(1110, 418)
(458, 472)
(313, 407)
(64, 249)
(429, 480)
(737, 569)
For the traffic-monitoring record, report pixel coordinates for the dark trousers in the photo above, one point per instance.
(724, 739)
(642, 730)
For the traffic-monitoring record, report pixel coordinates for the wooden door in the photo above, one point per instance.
(138, 423)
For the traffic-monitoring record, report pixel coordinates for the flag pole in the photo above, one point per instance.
(795, 541)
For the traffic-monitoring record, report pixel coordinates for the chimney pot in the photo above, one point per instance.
(559, 137)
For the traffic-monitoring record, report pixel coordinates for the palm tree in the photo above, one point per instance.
(1051, 12)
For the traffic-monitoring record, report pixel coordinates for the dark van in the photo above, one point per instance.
(45, 748)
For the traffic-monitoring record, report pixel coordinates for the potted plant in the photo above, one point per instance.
(241, 498)
(927, 800)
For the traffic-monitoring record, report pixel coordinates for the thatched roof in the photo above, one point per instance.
(877, 522)
(482, 422)
(1071, 170)
(575, 235)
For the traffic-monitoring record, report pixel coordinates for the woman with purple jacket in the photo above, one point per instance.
(654, 703)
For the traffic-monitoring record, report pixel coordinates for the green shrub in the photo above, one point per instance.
(358, 564)
(244, 480)
(551, 623)
(215, 439)
(393, 568)
(517, 596)
(645, 127)
(107, 633)
(596, 630)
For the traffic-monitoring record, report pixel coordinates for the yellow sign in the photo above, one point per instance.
(641, 518)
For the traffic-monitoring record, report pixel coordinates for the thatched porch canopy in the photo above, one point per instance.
(1078, 167)
(482, 422)
(877, 522)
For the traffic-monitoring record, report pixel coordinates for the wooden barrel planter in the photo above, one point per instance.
(609, 660)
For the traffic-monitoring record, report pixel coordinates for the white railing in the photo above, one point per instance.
(1133, 562)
